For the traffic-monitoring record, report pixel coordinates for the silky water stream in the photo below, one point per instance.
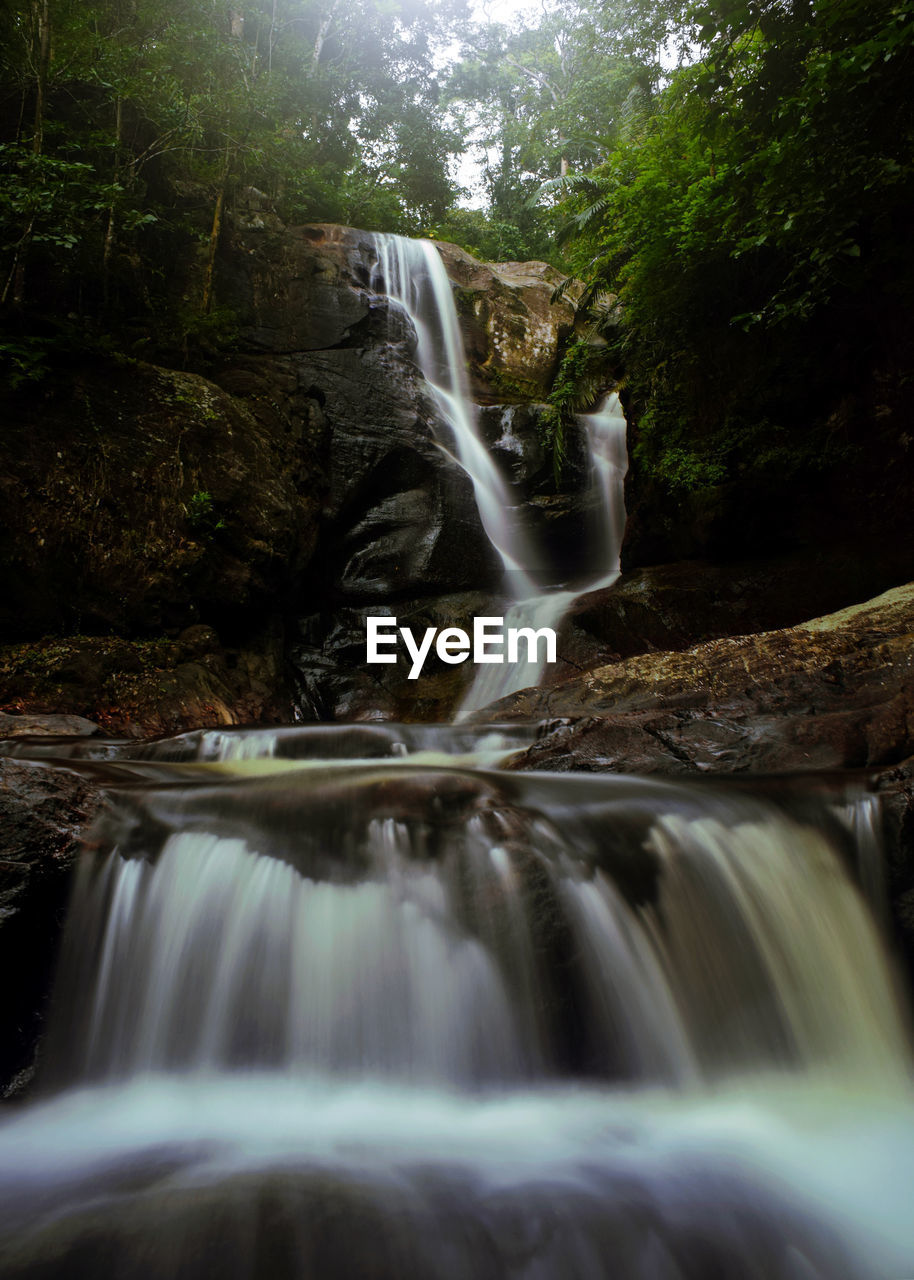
(347, 1001)
(413, 275)
(364, 1003)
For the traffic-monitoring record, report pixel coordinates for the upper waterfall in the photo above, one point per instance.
(412, 273)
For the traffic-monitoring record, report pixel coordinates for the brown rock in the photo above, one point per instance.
(513, 331)
(147, 688)
(42, 813)
(836, 692)
(51, 725)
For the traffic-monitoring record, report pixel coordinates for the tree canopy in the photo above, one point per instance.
(731, 178)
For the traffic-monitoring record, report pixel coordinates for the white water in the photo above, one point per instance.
(413, 274)
(606, 433)
(345, 1001)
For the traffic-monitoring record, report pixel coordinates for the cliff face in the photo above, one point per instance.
(170, 537)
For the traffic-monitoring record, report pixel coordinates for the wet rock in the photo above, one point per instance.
(147, 688)
(400, 516)
(52, 725)
(336, 682)
(895, 787)
(42, 813)
(836, 692)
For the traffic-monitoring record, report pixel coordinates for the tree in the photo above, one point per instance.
(758, 216)
(112, 109)
(552, 98)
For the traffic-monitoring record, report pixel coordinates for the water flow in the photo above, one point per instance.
(411, 273)
(606, 438)
(356, 1003)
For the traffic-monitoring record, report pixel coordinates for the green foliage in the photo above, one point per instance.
(113, 115)
(554, 94)
(24, 359)
(492, 240)
(202, 516)
(758, 216)
(580, 379)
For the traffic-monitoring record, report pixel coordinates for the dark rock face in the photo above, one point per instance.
(336, 682)
(141, 499)
(674, 606)
(294, 289)
(397, 508)
(42, 812)
(559, 513)
(399, 524)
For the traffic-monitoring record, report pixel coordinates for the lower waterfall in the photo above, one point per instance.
(360, 1000)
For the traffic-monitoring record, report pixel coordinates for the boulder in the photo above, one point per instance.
(144, 688)
(139, 500)
(399, 517)
(674, 606)
(512, 330)
(335, 681)
(51, 726)
(43, 812)
(836, 692)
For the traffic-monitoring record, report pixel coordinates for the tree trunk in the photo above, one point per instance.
(111, 228)
(322, 32)
(215, 233)
(42, 48)
(41, 58)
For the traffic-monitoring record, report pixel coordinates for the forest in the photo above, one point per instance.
(456, 639)
(732, 181)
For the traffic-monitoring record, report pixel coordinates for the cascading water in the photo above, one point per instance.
(606, 431)
(361, 1001)
(412, 273)
(355, 1001)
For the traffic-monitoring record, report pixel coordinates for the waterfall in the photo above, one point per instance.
(605, 430)
(351, 1000)
(368, 1001)
(412, 273)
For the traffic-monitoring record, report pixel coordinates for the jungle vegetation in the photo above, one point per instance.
(732, 179)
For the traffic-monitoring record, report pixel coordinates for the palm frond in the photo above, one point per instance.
(569, 185)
